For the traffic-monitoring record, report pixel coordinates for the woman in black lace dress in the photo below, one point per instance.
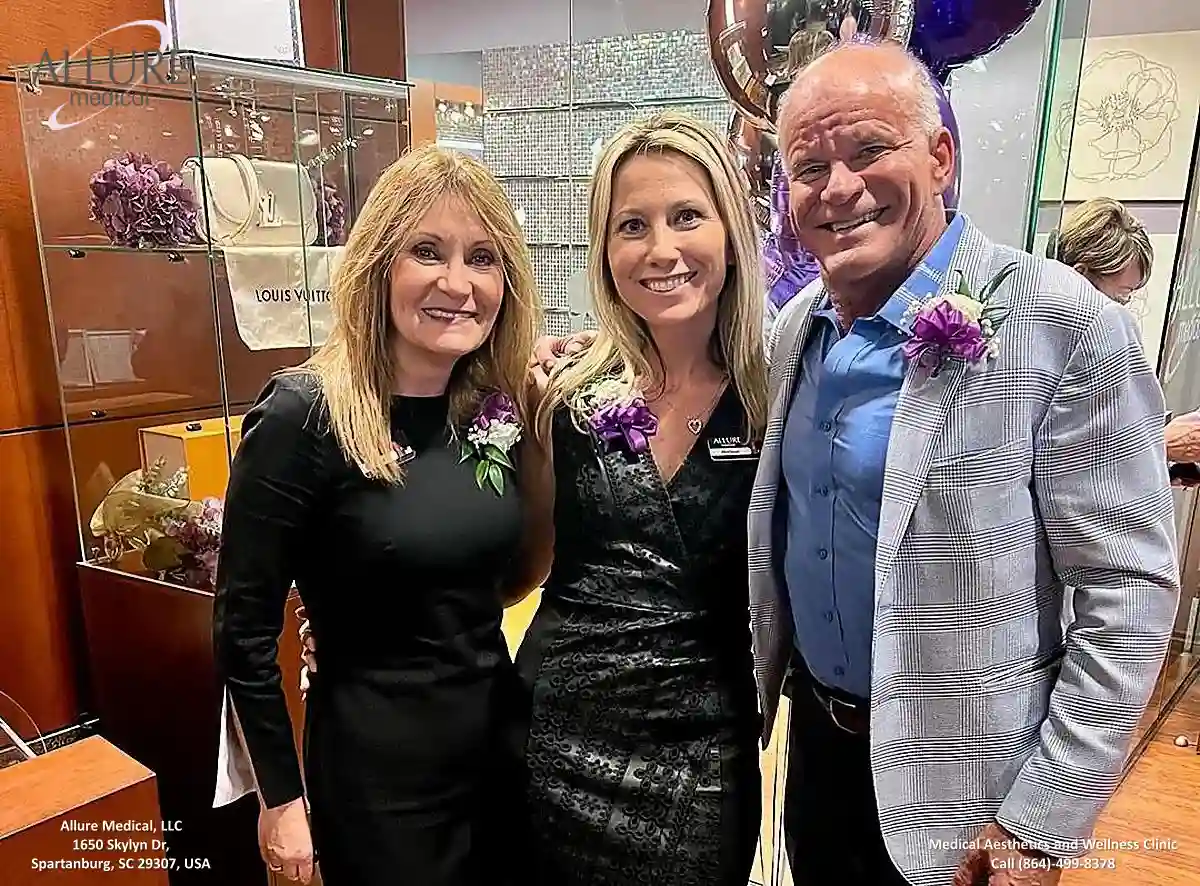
(642, 748)
(351, 481)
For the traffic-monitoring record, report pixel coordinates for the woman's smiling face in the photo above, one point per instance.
(667, 246)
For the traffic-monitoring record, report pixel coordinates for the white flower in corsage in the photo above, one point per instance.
(493, 433)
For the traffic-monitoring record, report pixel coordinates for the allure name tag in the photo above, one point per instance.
(731, 449)
(402, 453)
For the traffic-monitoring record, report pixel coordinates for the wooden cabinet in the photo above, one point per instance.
(155, 690)
(80, 815)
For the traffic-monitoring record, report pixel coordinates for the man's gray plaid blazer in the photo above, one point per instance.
(1006, 485)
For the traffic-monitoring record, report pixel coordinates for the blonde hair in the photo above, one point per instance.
(623, 343)
(355, 366)
(1102, 237)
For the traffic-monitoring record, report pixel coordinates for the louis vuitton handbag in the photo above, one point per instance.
(253, 202)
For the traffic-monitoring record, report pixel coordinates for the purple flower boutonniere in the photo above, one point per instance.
(620, 419)
(491, 436)
(960, 326)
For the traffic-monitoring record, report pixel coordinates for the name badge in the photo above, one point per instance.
(402, 453)
(731, 449)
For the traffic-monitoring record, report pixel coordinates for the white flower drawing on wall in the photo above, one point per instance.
(1122, 117)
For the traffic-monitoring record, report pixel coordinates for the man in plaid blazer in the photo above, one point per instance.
(917, 524)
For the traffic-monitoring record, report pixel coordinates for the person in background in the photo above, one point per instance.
(1103, 241)
(937, 477)
(642, 747)
(379, 478)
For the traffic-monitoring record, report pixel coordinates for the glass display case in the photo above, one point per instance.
(191, 211)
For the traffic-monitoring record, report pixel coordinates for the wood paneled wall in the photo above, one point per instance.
(41, 661)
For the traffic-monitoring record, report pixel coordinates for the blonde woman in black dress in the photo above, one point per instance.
(380, 477)
(643, 742)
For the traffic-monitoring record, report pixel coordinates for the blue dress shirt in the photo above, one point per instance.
(834, 453)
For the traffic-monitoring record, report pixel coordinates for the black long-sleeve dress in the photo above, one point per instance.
(405, 727)
(643, 744)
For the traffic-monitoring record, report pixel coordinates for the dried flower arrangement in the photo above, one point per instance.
(142, 203)
(187, 550)
(176, 539)
(151, 481)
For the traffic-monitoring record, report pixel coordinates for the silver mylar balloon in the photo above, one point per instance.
(755, 151)
(757, 46)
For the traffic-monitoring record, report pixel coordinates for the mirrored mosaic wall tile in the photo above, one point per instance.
(554, 268)
(643, 66)
(557, 323)
(633, 68)
(527, 76)
(564, 322)
(555, 210)
(562, 143)
(469, 129)
(591, 127)
(533, 143)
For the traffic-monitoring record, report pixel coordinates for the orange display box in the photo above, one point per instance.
(198, 446)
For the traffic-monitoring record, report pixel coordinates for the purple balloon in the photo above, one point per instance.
(788, 266)
(950, 33)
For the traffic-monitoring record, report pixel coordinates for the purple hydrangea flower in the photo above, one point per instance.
(496, 407)
(941, 332)
(142, 203)
(332, 220)
(627, 422)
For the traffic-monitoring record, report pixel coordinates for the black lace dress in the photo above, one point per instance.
(642, 750)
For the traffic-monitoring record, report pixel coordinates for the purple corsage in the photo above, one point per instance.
(960, 326)
(620, 419)
(492, 434)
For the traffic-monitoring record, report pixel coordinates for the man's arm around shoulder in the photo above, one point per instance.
(1104, 498)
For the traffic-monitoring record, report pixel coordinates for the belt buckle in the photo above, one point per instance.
(828, 702)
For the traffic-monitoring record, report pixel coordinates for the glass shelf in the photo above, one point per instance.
(207, 76)
(80, 248)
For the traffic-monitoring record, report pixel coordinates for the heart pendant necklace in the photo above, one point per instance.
(695, 423)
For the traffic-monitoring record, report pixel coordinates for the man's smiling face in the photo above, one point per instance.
(866, 169)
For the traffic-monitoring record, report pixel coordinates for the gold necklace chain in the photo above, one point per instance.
(695, 421)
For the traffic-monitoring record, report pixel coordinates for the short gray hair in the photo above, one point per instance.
(914, 79)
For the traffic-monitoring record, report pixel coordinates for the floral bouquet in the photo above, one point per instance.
(175, 538)
(493, 433)
(131, 515)
(142, 203)
(187, 550)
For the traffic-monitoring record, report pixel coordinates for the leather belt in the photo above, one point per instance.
(852, 717)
